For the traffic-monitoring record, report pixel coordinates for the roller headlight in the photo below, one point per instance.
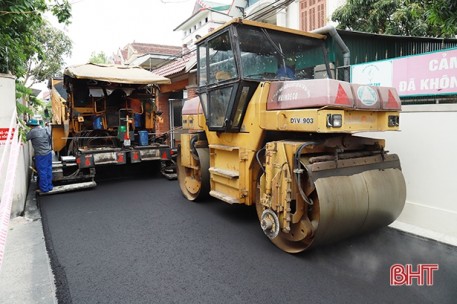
(334, 121)
(393, 121)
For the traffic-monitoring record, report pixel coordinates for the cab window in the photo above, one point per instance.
(221, 60)
(217, 76)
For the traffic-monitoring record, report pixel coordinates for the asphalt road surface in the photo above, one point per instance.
(135, 239)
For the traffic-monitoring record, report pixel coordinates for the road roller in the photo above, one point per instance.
(274, 127)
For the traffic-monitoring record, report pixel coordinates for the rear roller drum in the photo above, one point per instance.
(194, 182)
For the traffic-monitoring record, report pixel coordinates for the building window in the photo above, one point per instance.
(312, 14)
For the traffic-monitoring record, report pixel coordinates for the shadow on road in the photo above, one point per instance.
(129, 171)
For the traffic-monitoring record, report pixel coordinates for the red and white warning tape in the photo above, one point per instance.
(9, 178)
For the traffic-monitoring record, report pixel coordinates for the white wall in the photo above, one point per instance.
(293, 15)
(22, 181)
(8, 102)
(427, 147)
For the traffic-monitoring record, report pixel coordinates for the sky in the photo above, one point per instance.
(107, 25)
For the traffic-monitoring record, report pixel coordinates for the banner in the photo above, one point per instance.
(418, 75)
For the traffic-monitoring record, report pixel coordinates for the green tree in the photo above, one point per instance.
(31, 106)
(443, 13)
(20, 20)
(22, 46)
(53, 46)
(402, 17)
(99, 57)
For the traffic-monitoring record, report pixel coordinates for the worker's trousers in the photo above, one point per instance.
(43, 165)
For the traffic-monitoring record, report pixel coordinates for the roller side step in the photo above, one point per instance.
(224, 197)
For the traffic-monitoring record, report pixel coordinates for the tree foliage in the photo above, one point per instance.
(48, 61)
(443, 13)
(30, 106)
(401, 17)
(99, 57)
(20, 21)
(29, 46)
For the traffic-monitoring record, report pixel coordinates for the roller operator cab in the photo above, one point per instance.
(104, 115)
(271, 128)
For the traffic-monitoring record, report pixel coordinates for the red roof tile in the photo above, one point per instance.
(176, 66)
(149, 48)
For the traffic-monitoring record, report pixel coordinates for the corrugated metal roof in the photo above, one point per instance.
(367, 47)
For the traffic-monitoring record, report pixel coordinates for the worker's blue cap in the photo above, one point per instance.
(32, 122)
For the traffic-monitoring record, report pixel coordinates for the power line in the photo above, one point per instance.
(173, 1)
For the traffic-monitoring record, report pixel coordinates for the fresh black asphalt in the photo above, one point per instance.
(135, 239)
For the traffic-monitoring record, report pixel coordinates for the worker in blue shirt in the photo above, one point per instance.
(286, 69)
(41, 143)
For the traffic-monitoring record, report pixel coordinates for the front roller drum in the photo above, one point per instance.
(357, 204)
(194, 182)
(342, 206)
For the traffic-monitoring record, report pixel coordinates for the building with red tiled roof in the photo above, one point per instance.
(206, 16)
(147, 55)
(183, 63)
(181, 72)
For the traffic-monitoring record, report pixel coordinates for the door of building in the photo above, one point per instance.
(175, 121)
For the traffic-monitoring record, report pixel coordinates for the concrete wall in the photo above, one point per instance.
(427, 146)
(8, 102)
(22, 181)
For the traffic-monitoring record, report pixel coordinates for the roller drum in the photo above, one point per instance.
(358, 203)
(194, 182)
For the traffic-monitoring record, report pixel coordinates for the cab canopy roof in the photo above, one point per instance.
(114, 73)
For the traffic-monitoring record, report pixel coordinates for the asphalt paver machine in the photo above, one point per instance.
(104, 115)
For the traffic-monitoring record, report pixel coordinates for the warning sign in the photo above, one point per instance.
(4, 135)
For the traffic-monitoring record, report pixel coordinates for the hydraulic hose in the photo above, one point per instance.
(298, 171)
(258, 159)
(192, 145)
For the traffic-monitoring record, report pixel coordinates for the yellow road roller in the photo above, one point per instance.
(272, 127)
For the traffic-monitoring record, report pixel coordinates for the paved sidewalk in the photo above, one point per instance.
(26, 276)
